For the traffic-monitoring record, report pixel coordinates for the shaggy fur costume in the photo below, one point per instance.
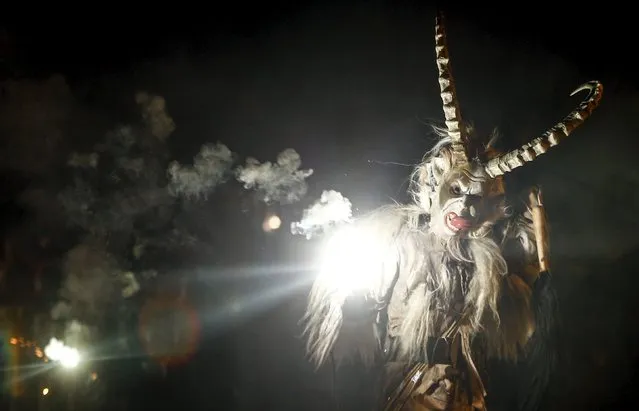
(446, 283)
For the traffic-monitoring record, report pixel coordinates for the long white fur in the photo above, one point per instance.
(427, 267)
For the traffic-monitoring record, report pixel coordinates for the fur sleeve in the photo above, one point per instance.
(342, 322)
(528, 378)
(516, 311)
(517, 320)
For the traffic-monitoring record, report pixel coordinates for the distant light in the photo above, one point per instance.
(45, 391)
(272, 223)
(94, 376)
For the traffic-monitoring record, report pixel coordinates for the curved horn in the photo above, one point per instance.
(538, 146)
(448, 93)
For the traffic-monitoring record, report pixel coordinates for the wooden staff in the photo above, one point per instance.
(540, 228)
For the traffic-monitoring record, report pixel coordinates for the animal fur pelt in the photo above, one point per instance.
(423, 286)
(412, 289)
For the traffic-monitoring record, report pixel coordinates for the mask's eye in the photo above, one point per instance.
(455, 189)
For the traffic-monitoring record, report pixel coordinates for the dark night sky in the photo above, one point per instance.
(346, 84)
(595, 38)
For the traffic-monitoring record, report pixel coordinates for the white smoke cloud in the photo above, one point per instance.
(332, 208)
(92, 282)
(134, 160)
(209, 170)
(281, 182)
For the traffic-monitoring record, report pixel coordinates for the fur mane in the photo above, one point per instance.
(441, 150)
(427, 277)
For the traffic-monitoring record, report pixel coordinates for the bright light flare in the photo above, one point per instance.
(45, 391)
(271, 223)
(67, 357)
(353, 260)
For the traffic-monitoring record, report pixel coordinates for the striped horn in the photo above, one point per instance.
(540, 145)
(448, 94)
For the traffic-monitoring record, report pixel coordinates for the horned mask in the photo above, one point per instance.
(464, 178)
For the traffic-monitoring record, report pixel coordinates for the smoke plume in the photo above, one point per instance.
(209, 169)
(91, 277)
(332, 208)
(281, 182)
(117, 195)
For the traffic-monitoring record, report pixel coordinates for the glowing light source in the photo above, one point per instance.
(271, 223)
(45, 391)
(352, 258)
(67, 357)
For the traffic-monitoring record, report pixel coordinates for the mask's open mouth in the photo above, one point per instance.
(457, 223)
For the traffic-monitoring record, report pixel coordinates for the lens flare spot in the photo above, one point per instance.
(271, 223)
(169, 330)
